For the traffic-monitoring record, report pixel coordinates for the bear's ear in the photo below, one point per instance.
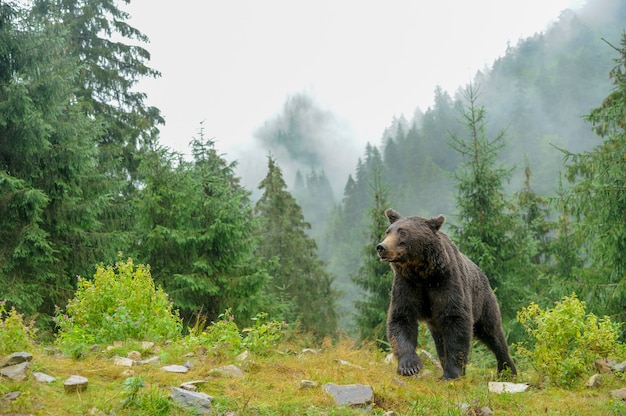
(392, 215)
(436, 222)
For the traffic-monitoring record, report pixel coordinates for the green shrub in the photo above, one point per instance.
(263, 335)
(567, 340)
(120, 303)
(15, 334)
(224, 338)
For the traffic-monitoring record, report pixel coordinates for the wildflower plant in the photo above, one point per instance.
(120, 303)
(15, 334)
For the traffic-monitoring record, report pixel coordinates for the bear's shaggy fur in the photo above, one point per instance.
(434, 282)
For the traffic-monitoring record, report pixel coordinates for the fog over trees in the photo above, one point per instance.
(286, 228)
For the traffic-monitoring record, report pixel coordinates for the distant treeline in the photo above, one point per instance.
(539, 96)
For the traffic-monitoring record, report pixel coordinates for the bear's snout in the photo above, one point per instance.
(381, 248)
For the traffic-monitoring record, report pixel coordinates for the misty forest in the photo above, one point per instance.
(527, 162)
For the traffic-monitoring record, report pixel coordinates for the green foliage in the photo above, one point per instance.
(374, 277)
(566, 340)
(224, 338)
(49, 224)
(263, 335)
(597, 200)
(488, 232)
(132, 385)
(300, 290)
(15, 334)
(120, 303)
(152, 402)
(202, 252)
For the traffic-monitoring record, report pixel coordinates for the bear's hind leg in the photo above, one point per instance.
(493, 337)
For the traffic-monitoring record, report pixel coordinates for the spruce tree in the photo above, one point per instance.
(112, 62)
(49, 218)
(486, 232)
(300, 287)
(598, 199)
(195, 229)
(374, 277)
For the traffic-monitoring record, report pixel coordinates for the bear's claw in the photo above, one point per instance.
(409, 366)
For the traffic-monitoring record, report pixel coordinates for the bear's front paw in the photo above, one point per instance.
(409, 365)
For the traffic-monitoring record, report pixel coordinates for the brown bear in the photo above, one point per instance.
(434, 282)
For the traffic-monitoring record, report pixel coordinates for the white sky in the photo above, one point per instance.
(233, 63)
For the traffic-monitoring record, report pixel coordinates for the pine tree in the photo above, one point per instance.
(196, 231)
(110, 69)
(49, 227)
(301, 288)
(374, 277)
(487, 233)
(598, 199)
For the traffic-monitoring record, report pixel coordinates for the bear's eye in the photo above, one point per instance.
(402, 233)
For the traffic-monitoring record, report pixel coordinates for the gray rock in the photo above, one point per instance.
(243, 356)
(621, 367)
(192, 385)
(175, 369)
(228, 371)
(619, 394)
(604, 365)
(506, 387)
(11, 396)
(199, 403)
(147, 345)
(75, 383)
(15, 372)
(307, 384)
(16, 358)
(123, 361)
(43, 378)
(594, 381)
(427, 356)
(150, 360)
(349, 364)
(350, 394)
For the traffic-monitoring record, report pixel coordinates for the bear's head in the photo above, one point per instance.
(410, 239)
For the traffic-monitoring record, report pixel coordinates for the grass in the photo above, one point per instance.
(271, 386)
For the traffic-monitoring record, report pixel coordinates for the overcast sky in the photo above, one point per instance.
(232, 64)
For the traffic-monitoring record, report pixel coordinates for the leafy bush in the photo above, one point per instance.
(15, 334)
(264, 334)
(567, 340)
(224, 337)
(119, 304)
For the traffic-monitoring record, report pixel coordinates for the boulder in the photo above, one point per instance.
(506, 387)
(43, 377)
(123, 361)
(350, 394)
(619, 393)
(175, 369)
(594, 381)
(15, 372)
(75, 384)
(228, 371)
(16, 358)
(199, 403)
